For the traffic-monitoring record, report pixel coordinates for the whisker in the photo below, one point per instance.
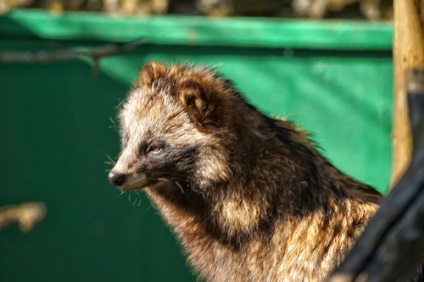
(113, 123)
(110, 160)
(121, 192)
(176, 183)
(148, 208)
(179, 185)
(163, 179)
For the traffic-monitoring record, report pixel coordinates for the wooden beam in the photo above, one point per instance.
(408, 53)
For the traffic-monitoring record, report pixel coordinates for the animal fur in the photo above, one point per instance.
(249, 197)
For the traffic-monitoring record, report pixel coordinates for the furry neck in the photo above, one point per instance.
(284, 203)
(271, 180)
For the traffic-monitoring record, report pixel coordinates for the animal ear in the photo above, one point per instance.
(151, 72)
(193, 97)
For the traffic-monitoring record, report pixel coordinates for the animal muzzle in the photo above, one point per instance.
(128, 181)
(117, 178)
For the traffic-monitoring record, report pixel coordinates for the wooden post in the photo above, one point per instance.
(408, 53)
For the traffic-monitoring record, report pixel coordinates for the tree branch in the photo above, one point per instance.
(65, 55)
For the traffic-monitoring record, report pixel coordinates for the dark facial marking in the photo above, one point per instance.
(170, 162)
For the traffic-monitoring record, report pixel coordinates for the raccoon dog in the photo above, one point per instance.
(248, 196)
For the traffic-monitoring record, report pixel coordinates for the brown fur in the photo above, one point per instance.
(249, 197)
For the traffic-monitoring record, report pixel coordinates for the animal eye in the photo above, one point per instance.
(155, 148)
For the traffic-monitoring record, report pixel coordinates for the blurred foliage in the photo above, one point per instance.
(366, 9)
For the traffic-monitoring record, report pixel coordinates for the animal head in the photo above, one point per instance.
(170, 128)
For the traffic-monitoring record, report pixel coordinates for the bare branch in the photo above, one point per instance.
(66, 55)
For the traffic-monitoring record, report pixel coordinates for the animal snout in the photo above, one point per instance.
(116, 178)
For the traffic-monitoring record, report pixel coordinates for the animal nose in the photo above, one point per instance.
(116, 178)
